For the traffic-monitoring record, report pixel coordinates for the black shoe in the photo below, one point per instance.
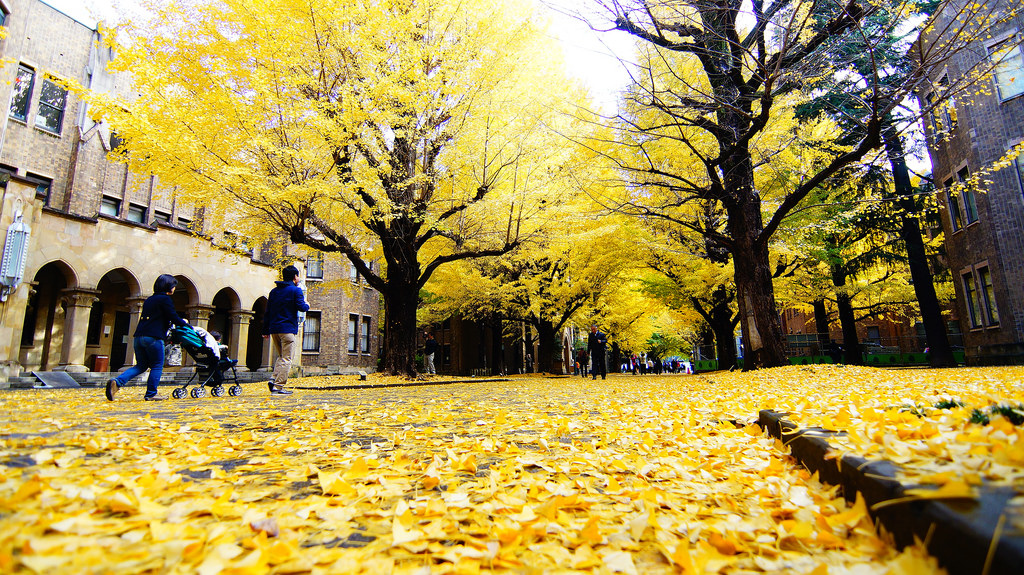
(156, 398)
(112, 388)
(270, 385)
(280, 390)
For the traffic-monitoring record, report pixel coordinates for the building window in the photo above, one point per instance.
(988, 296)
(364, 335)
(353, 274)
(110, 207)
(311, 332)
(22, 92)
(136, 214)
(3, 16)
(955, 215)
(1020, 173)
(185, 223)
(52, 101)
(161, 217)
(315, 266)
(969, 196)
(971, 299)
(353, 325)
(237, 242)
(1009, 67)
(43, 184)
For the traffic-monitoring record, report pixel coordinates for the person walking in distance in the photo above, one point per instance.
(156, 318)
(597, 343)
(429, 349)
(281, 324)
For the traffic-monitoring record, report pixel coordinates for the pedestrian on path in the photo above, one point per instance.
(597, 344)
(157, 316)
(281, 324)
(429, 349)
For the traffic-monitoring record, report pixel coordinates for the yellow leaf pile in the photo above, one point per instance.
(628, 475)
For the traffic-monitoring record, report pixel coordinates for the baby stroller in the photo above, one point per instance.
(210, 369)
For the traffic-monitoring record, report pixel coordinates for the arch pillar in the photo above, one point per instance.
(78, 303)
(199, 315)
(135, 309)
(238, 346)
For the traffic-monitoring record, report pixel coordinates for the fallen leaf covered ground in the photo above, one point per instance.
(531, 475)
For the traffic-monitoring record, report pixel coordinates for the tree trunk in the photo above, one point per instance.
(847, 321)
(759, 317)
(400, 330)
(940, 354)
(546, 347)
(401, 298)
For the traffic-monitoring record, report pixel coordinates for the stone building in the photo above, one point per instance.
(97, 235)
(968, 128)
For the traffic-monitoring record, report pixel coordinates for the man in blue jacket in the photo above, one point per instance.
(281, 324)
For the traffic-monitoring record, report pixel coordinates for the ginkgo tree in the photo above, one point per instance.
(548, 285)
(714, 80)
(380, 131)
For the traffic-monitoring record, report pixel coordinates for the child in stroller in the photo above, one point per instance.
(211, 368)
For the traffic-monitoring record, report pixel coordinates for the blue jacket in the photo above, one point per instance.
(283, 307)
(157, 316)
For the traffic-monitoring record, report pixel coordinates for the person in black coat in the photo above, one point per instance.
(157, 316)
(429, 349)
(281, 325)
(597, 344)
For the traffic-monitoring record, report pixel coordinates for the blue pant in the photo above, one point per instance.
(149, 354)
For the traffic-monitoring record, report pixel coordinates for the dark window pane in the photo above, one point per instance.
(52, 99)
(22, 93)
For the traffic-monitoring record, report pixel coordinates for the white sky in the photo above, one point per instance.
(589, 55)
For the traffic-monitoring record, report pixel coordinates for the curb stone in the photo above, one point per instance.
(959, 533)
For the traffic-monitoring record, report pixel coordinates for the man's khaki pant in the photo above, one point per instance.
(282, 345)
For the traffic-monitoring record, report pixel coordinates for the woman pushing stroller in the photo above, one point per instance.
(157, 316)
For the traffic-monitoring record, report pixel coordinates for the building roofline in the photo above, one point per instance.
(66, 15)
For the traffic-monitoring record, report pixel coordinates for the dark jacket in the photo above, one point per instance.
(157, 316)
(596, 343)
(283, 307)
(430, 346)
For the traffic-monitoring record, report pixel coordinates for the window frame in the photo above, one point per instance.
(28, 98)
(61, 110)
(364, 335)
(1020, 172)
(971, 298)
(108, 201)
(987, 295)
(315, 266)
(161, 217)
(956, 214)
(136, 211)
(970, 198)
(312, 317)
(1013, 39)
(44, 186)
(353, 333)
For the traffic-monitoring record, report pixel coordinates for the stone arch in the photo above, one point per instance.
(258, 349)
(225, 303)
(42, 335)
(109, 331)
(186, 294)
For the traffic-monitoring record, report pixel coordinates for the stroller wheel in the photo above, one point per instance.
(235, 390)
(178, 393)
(198, 392)
(217, 390)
